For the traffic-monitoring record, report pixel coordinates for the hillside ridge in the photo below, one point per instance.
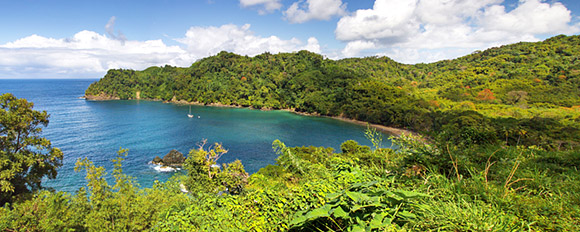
(526, 83)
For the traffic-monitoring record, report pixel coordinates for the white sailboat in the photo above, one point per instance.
(190, 115)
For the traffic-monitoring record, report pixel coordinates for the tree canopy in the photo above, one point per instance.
(25, 156)
(504, 154)
(507, 88)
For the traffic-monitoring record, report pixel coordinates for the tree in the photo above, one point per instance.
(352, 147)
(204, 175)
(25, 156)
(485, 95)
(234, 177)
(517, 98)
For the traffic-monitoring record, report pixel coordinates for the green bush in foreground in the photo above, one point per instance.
(25, 157)
(419, 187)
(519, 94)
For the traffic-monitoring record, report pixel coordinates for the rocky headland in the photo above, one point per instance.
(172, 159)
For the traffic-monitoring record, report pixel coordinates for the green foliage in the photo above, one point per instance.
(482, 188)
(520, 81)
(120, 207)
(287, 160)
(273, 195)
(374, 136)
(233, 177)
(467, 128)
(361, 207)
(95, 177)
(47, 211)
(503, 127)
(463, 215)
(115, 208)
(351, 146)
(25, 157)
(417, 152)
(205, 175)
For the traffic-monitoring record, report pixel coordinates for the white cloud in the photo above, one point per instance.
(448, 12)
(354, 48)
(86, 53)
(301, 11)
(312, 45)
(429, 30)
(110, 28)
(530, 17)
(411, 55)
(389, 20)
(204, 41)
(90, 54)
(265, 6)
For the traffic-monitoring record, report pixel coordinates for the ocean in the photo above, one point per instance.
(98, 129)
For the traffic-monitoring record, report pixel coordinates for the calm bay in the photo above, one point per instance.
(97, 129)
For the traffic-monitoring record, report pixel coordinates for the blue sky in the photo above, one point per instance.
(83, 39)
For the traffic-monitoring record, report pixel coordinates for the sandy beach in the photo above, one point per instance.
(385, 129)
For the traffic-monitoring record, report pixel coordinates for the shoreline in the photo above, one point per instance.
(385, 129)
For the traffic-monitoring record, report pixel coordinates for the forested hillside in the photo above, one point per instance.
(502, 155)
(524, 93)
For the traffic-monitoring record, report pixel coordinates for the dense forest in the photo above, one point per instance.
(500, 150)
(519, 94)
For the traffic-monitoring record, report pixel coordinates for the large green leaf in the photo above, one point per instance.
(332, 196)
(406, 215)
(357, 196)
(377, 221)
(323, 211)
(408, 194)
(298, 220)
(357, 207)
(357, 228)
(375, 200)
(338, 212)
(363, 185)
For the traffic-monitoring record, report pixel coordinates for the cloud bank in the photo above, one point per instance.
(301, 12)
(409, 31)
(90, 54)
(205, 41)
(84, 54)
(414, 31)
(263, 6)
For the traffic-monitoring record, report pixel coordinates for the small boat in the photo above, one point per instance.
(190, 115)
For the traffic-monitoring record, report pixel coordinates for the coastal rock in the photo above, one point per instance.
(173, 159)
(157, 160)
(100, 97)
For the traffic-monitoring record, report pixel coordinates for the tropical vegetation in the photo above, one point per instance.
(498, 151)
(519, 94)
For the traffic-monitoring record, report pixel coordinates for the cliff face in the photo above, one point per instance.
(100, 97)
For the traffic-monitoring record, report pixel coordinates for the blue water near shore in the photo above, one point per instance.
(97, 129)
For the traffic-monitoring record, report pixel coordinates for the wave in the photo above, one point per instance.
(161, 168)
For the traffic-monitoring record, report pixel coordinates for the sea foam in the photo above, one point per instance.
(161, 168)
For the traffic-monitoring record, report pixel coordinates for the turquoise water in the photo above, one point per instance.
(97, 129)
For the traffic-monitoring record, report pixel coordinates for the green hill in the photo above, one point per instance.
(503, 152)
(486, 97)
